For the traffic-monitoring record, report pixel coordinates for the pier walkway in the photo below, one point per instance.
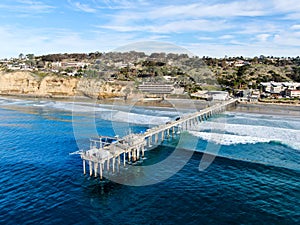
(109, 153)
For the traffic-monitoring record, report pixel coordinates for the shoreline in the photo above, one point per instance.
(269, 108)
(182, 104)
(188, 104)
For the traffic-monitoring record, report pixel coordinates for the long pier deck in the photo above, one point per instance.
(108, 153)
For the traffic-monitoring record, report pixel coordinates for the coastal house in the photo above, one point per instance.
(291, 85)
(254, 96)
(279, 89)
(241, 63)
(201, 95)
(77, 65)
(219, 95)
(276, 88)
(14, 66)
(293, 93)
(266, 87)
(212, 95)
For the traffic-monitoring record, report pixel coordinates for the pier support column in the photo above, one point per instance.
(113, 164)
(129, 156)
(134, 155)
(149, 141)
(101, 172)
(143, 151)
(124, 159)
(84, 169)
(96, 168)
(138, 153)
(107, 165)
(173, 132)
(156, 138)
(162, 135)
(91, 168)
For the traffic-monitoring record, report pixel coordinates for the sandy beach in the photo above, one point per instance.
(269, 108)
(182, 104)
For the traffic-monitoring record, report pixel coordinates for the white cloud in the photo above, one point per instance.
(286, 6)
(173, 27)
(191, 26)
(28, 7)
(82, 7)
(201, 10)
(263, 37)
(39, 42)
(236, 26)
(288, 39)
(295, 27)
(226, 36)
(205, 38)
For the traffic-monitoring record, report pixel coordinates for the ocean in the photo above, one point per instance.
(253, 174)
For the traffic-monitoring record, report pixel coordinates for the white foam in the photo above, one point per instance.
(134, 118)
(271, 120)
(69, 106)
(228, 139)
(251, 134)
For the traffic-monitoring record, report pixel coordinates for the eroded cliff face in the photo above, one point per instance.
(18, 83)
(26, 83)
(99, 89)
(57, 86)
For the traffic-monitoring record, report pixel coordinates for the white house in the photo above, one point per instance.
(293, 93)
(219, 95)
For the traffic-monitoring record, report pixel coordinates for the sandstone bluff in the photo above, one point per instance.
(27, 83)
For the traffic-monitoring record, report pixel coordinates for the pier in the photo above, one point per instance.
(109, 153)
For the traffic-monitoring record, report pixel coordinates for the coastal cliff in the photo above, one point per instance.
(99, 89)
(27, 83)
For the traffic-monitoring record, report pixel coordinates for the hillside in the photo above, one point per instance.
(64, 71)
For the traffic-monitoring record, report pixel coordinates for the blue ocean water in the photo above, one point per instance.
(254, 178)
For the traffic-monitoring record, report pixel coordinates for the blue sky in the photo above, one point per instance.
(211, 28)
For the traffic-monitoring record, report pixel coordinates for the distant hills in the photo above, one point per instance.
(192, 73)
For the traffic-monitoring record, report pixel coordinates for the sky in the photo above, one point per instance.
(215, 28)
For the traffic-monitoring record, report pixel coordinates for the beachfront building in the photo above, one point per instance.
(77, 65)
(212, 95)
(291, 85)
(279, 89)
(266, 87)
(219, 95)
(276, 88)
(293, 93)
(156, 88)
(254, 96)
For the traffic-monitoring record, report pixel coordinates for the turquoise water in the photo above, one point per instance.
(254, 178)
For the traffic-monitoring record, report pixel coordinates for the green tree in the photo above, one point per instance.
(30, 56)
(21, 56)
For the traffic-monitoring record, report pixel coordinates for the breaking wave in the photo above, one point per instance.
(247, 134)
(228, 139)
